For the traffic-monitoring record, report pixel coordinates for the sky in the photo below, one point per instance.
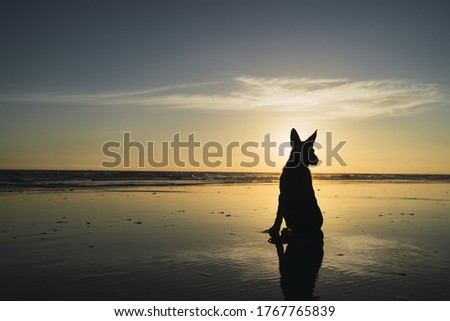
(371, 76)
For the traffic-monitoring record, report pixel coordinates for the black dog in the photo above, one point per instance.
(297, 203)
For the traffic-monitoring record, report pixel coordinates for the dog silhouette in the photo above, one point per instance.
(297, 203)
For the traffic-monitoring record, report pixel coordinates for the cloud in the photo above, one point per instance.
(318, 97)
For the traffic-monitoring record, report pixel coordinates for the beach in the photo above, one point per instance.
(384, 240)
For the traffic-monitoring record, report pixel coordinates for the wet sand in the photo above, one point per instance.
(383, 241)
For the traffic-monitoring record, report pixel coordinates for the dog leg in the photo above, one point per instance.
(274, 231)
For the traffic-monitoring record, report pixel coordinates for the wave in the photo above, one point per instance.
(66, 179)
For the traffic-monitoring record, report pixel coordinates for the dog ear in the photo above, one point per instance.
(295, 138)
(312, 138)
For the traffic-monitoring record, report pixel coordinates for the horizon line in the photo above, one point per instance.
(212, 171)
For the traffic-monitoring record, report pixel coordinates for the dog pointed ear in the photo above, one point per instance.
(312, 138)
(295, 138)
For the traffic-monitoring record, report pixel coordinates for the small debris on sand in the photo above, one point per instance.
(137, 222)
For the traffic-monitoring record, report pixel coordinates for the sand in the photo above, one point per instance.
(383, 241)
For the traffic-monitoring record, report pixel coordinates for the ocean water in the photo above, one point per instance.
(44, 179)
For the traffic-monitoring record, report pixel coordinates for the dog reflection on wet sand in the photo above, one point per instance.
(299, 266)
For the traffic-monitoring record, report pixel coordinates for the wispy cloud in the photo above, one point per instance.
(319, 97)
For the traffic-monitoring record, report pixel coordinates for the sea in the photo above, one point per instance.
(11, 180)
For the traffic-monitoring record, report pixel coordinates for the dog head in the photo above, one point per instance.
(302, 153)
